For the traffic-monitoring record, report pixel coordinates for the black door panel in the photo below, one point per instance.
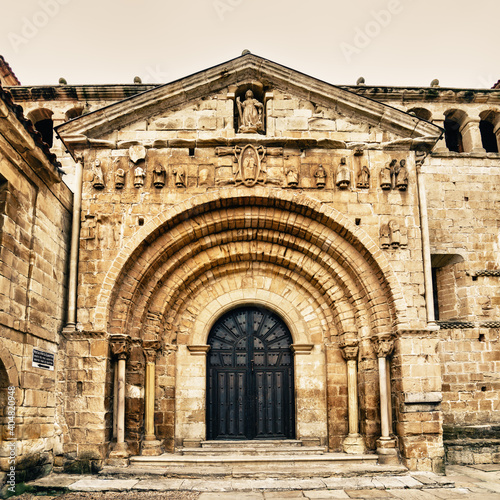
(250, 377)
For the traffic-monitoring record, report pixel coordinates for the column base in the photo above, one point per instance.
(151, 448)
(118, 455)
(387, 452)
(354, 444)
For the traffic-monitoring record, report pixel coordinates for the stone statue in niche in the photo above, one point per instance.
(320, 176)
(98, 175)
(179, 176)
(119, 178)
(292, 178)
(364, 178)
(159, 175)
(139, 175)
(401, 176)
(250, 113)
(343, 179)
(386, 175)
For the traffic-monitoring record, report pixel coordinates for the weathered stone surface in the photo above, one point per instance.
(193, 209)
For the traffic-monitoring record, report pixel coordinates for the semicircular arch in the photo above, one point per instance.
(306, 220)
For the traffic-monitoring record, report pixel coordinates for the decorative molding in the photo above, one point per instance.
(490, 324)
(487, 272)
(302, 348)
(447, 325)
(70, 333)
(198, 350)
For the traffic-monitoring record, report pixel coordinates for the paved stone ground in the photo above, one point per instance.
(478, 482)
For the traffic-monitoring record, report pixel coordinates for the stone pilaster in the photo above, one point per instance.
(354, 442)
(150, 446)
(120, 349)
(386, 445)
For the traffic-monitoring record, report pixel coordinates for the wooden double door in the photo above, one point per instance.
(250, 392)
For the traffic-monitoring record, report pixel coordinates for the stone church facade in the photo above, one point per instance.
(261, 255)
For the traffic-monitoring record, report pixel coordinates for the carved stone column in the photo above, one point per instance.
(150, 446)
(496, 131)
(386, 445)
(120, 348)
(354, 442)
(471, 136)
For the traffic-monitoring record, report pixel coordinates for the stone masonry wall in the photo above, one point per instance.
(464, 204)
(35, 217)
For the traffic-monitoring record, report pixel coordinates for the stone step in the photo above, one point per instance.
(255, 443)
(245, 467)
(252, 450)
(225, 465)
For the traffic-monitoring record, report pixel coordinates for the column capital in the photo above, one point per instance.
(150, 349)
(383, 344)
(350, 350)
(120, 345)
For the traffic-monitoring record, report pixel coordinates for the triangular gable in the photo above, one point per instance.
(246, 68)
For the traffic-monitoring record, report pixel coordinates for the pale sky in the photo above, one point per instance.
(389, 42)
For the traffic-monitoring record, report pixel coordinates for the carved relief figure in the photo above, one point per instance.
(203, 178)
(320, 176)
(401, 177)
(119, 178)
(98, 175)
(394, 234)
(180, 177)
(249, 167)
(386, 176)
(364, 177)
(159, 175)
(343, 179)
(385, 240)
(250, 113)
(292, 178)
(139, 175)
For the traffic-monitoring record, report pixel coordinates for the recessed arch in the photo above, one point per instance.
(422, 113)
(42, 121)
(315, 228)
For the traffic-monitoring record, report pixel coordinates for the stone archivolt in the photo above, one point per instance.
(219, 236)
(285, 252)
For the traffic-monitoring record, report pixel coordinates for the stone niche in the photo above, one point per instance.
(249, 108)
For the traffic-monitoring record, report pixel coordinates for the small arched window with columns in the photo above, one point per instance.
(452, 124)
(489, 119)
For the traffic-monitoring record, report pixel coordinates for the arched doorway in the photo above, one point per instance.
(250, 393)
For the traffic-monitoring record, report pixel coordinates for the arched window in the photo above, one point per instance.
(452, 124)
(42, 120)
(423, 113)
(73, 113)
(487, 127)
